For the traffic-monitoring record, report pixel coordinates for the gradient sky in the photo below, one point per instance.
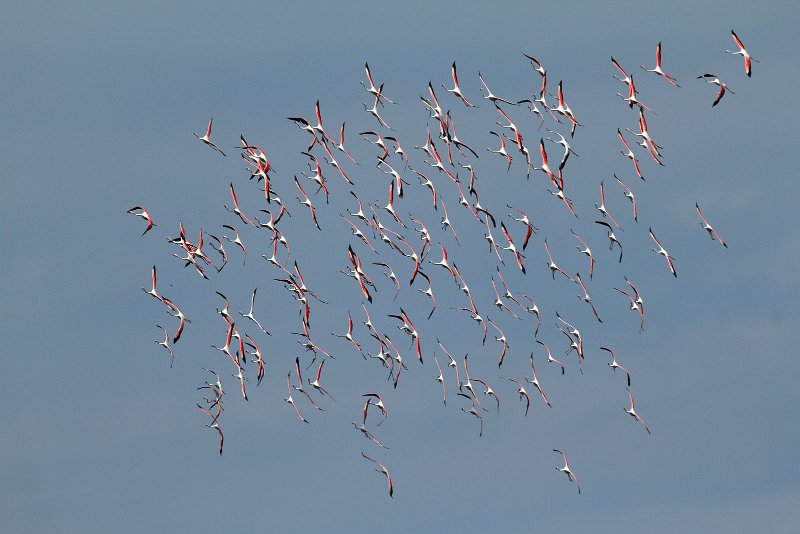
(100, 102)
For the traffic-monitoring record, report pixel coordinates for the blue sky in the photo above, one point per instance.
(100, 434)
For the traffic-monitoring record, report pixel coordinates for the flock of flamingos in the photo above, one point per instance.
(398, 252)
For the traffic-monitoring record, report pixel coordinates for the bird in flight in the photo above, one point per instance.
(708, 228)
(657, 69)
(748, 60)
(712, 79)
(567, 471)
(139, 211)
(207, 137)
(382, 469)
(662, 252)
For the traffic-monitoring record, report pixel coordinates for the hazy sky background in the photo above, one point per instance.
(100, 102)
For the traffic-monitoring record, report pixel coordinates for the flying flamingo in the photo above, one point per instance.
(456, 90)
(307, 203)
(712, 79)
(236, 211)
(499, 303)
(626, 79)
(512, 248)
(611, 237)
(153, 291)
(249, 315)
(144, 214)
(349, 334)
(657, 68)
(629, 154)
(508, 294)
(632, 412)
(165, 344)
(661, 251)
(629, 195)
(428, 292)
(489, 392)
(374, 109)
(340, 145)
(614, 365)
(316, 385)
(207, 137)
(708, 228)
(490, 96)
(522, 393)
(378, 93)
(363, 426)
(236, 240)
(258, 358)
(216, 427)
(176, 312)
(552, 265)
(602, 207)
(473, 411)
(550, 358)
(586, 298)
(382, 469)
(502, 150)
(586, 250)
(535, 382)
(502, 339)
(567, 147)
(529, 228)
(444, 263)
(742, 52)
(290, 400)
(566, 470)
